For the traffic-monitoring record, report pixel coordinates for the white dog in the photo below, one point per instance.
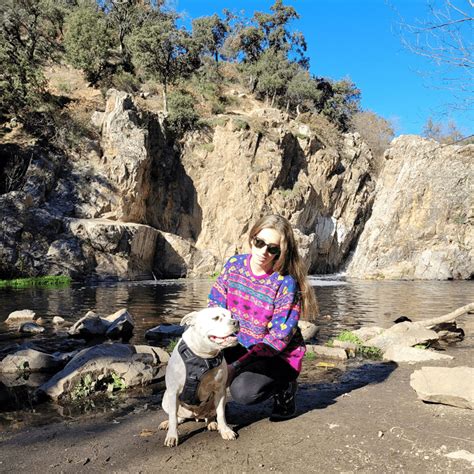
(196, 375)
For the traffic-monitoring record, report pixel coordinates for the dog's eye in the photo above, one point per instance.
(216, 318)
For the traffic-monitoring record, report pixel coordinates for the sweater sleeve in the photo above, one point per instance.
(218, 293)
(283, 324)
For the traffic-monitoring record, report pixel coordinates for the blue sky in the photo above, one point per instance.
(359, 39)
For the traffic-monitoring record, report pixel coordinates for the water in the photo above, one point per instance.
(343, 305)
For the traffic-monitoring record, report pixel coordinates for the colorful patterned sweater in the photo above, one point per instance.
(267, 308)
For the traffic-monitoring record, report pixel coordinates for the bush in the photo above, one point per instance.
(88, 41)
(182, 113)
(125, 81)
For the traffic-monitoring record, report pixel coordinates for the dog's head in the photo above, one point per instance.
(211, 329)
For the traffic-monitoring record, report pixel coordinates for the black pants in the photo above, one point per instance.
(260, 379)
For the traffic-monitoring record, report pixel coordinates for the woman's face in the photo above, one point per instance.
(266, 248)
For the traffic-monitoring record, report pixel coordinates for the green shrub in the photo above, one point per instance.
(182, 113)
(125, 81)
(239, 124)
(171, 345)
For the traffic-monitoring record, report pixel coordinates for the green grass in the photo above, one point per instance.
(310, 356)
(361, 350)
(171, 345)
(44, 281)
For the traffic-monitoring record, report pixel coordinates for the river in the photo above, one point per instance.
(344, 304)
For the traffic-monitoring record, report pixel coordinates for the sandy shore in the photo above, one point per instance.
(370, 420)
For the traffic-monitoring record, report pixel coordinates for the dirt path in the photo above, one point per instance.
(376, 425)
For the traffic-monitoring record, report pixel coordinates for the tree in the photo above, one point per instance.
(27, 41)
(164, 52)
(342, 103)
(445, 39)
(209, 33)
(447, 133)
(276, 33)
(126, 15)
(302, 92)
(88, 41)
(376, 131)
(272, 73)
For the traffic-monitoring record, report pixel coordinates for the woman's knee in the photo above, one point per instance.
(248, 388)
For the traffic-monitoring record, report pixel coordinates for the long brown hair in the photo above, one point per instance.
(289, 261)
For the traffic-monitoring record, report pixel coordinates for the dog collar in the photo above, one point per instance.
(196, 368)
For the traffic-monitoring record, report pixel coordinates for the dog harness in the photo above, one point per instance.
(196, 367)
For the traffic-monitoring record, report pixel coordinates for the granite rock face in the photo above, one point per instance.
(421, 225)
(134, 204)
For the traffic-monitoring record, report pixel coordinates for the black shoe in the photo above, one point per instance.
(284, 403)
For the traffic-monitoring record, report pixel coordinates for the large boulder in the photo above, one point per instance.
(420, 226)
(447, 385)
(133, 365)
(31, 360)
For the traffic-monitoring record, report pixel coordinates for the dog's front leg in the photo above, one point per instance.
(224, 429)
(172, 434)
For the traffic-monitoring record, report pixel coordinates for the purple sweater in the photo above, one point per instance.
(267, 308)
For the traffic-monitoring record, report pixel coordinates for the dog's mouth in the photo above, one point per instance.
(225, 340)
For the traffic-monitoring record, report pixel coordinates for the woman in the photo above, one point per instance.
(267, 291)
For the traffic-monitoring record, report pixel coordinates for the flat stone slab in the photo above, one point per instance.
(400, 353)
(447, 385)
(327, 352)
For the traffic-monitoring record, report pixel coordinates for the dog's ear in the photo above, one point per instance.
(188, 320)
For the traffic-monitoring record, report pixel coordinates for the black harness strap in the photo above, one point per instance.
(196, 367)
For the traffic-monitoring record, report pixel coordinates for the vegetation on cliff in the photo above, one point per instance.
(138, 46)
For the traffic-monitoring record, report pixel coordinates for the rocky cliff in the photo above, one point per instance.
(422, 219)
(133, 204)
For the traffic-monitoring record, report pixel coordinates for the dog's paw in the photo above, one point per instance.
(228, 434)
(164, 425)
(171, 441)
(212, 426)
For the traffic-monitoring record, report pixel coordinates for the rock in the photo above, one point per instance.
(327, 352)
(30, 360)
(367, 333)
(21, 315)
(349, 347)
(462, 454)
(308, 329)
(89, 326)
(446, 385)
(121, 326)
(57, 320)
(31, 328)
(135, 365)
(123, 250)
(402, 353)
(420, 222)
(164, 331)
(402, 334)
(117, 325)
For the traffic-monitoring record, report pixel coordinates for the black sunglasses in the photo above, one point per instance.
(271, 248)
